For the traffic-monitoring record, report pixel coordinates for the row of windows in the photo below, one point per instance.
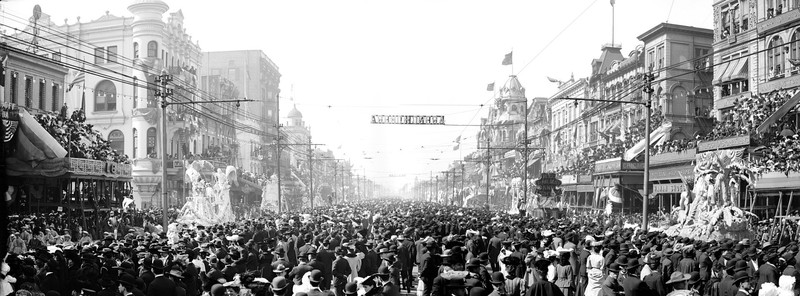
(41, 94)
(116, 140)
(105, 55)
(152, 49)
(776, 55)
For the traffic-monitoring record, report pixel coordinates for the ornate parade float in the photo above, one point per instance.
(210, 201)
(710, 210)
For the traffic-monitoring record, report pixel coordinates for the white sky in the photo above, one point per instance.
(349, 59)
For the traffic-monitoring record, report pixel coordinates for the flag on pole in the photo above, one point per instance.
(458, 143)
(490, 87)
(80, 78)
(508, 59)
(612, 2)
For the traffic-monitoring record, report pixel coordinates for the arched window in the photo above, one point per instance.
(116, 139)
(775, 56)
(794, 47)
(135, 143)
(136, 50)
(152, 49)
(105, 96)
(151, 142)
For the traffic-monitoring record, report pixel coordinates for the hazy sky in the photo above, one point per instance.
(344, 60)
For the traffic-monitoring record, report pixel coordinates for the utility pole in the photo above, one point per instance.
(524, 200)
(488, 171)
(278, 126)
(164, 93)
(648, 88)
(310, 173)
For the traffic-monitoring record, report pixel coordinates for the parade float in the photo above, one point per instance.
(210, 201)
(709, 210)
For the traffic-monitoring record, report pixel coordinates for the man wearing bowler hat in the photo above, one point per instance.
(316, 278)
(610, 285)
(388, 288)
(161, 284)
(279, 286)
(632, 285)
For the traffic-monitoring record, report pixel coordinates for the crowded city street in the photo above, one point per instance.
(400, 148)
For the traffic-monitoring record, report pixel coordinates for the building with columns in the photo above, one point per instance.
(122, 57)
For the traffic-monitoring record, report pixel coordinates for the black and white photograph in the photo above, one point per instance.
(400, 148)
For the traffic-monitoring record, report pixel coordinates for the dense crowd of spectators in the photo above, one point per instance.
(747, 114)
(79, 138)
(673, 146)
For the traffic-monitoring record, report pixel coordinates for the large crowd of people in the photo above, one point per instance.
(389, 247)
(78, 137)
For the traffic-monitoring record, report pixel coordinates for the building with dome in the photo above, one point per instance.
(500, 141)
(122, 56)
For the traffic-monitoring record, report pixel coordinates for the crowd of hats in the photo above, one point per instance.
(78, 137)
(584, 162)
(114, 260)
(673, 146)
(748, 112)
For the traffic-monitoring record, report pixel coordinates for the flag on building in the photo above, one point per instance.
(80, 78)
(490, 87)
(3, 60)
(508, 59)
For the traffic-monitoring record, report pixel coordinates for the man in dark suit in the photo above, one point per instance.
(495, 245)
(161, 285)
(610, 285)
(542, 287)
(428, 267)
(768, 272)
(371, 261)
(388, 287)
(316, 278)
(296, 275)
(632, 285)
(341, 269)
(406, 257)
(655, 280)
(326, 257)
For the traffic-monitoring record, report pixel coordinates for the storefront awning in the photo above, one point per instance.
(719, 72)
(35, 143)
(739, 71)
(655, 136)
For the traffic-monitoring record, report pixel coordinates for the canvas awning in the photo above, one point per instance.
(719, 72)
(655, 136)
(739, 71)
(34, 143)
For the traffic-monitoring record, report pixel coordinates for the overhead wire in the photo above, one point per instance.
(147, 85)
(67, 36)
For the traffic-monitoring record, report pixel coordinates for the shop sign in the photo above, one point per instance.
(724, 143)
(100, 168)
(669, 188)
(408, 119)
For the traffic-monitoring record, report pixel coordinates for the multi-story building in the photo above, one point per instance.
(258, 79)
(122, 57)
(500, 135)
(756, 92)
